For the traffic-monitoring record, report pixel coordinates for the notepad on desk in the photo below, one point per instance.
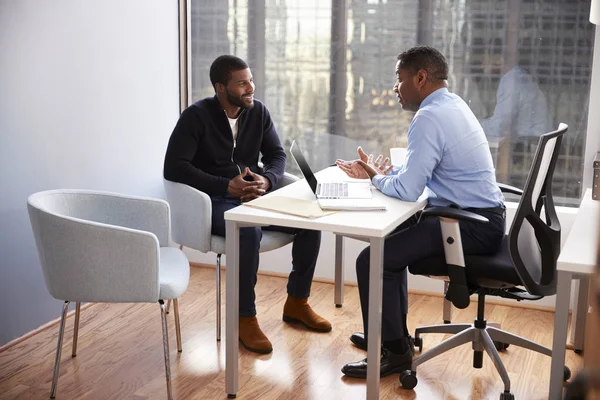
(289, 205)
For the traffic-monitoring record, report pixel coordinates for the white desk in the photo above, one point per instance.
(577, 260)
(374, 225)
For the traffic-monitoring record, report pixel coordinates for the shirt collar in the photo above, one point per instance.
(432, 96)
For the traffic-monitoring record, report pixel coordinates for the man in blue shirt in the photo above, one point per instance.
(448, 158)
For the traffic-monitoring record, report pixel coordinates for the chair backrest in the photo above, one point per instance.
(97, 246)
(534, 243)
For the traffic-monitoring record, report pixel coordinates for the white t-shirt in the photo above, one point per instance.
(234, 126)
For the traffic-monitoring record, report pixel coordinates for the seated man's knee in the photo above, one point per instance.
(251, 235)
(309, 235)
(362, 261)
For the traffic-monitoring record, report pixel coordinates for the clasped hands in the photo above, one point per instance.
(365, 167)
(248, 190)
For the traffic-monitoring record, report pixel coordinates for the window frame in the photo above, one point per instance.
(592, 138)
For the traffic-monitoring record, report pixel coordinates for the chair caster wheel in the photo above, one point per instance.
(501, 346)
(408, 379)
(418, 342)
(566, 374)
(507, 396)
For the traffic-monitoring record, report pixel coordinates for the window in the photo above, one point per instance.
(325, 70)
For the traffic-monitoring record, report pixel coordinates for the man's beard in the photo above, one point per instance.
(238, 101)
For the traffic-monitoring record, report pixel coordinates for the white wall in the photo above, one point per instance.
(279, 260)
(89, 96)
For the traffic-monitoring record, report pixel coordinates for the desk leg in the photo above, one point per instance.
(339, 270)
(232, 308)
(374, 336)
(579, 316)
(561, 322)
(447, 315)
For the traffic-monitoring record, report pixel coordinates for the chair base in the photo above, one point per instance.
(482, 337)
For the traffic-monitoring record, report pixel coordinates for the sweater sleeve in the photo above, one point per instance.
(182, 147)
(273, 155)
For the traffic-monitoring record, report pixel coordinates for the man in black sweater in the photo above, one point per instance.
(215, 148)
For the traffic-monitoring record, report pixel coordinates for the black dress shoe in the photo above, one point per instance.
(390, 363)
(358, 338)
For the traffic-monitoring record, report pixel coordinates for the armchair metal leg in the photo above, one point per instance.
(177, 327)
(463, 337)
(446, 328)
(61, 331)
(165, 332)
(506, 337)
(218, 297)
(169, 300)
(490, 348)
(76, 329)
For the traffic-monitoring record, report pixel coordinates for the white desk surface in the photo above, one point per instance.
(357, 223)
(579, 253)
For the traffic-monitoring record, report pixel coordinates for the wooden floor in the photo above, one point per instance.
(120, 353)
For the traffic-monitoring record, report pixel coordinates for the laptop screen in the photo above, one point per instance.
(301, 161)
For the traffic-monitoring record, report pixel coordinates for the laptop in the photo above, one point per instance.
(350, 196)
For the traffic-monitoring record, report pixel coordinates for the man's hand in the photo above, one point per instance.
(240, 188)
(364, 167)
(252, 192)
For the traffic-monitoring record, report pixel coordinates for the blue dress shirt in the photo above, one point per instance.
(448, 157)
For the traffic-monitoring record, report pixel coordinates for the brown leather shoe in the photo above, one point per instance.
(298, 311)
(252, 337)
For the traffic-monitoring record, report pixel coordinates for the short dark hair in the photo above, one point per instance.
(223, 66)
(427, 58)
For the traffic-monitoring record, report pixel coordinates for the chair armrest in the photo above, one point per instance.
(458, 291)
(191, 215)
(454, 213)
(510, 189)
(285, 180)
(146, 214)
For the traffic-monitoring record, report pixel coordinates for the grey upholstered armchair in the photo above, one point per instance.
(191, 218)
(106, 247)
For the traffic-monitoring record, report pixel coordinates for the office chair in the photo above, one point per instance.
(109, 248)
(527, 258)
(191, 218)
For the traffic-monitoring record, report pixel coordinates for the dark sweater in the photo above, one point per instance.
(202, 153)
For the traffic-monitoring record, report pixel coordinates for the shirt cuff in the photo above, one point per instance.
(376, 181)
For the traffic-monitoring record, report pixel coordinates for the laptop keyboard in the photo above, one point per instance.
(336, 190)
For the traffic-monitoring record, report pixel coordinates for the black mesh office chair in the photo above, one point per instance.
(527, 259)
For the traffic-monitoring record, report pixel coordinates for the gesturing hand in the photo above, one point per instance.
(239, 187)
(365, 167)
(352, 168)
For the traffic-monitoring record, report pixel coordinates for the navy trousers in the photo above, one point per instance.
(412, 241)
(305, 250)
